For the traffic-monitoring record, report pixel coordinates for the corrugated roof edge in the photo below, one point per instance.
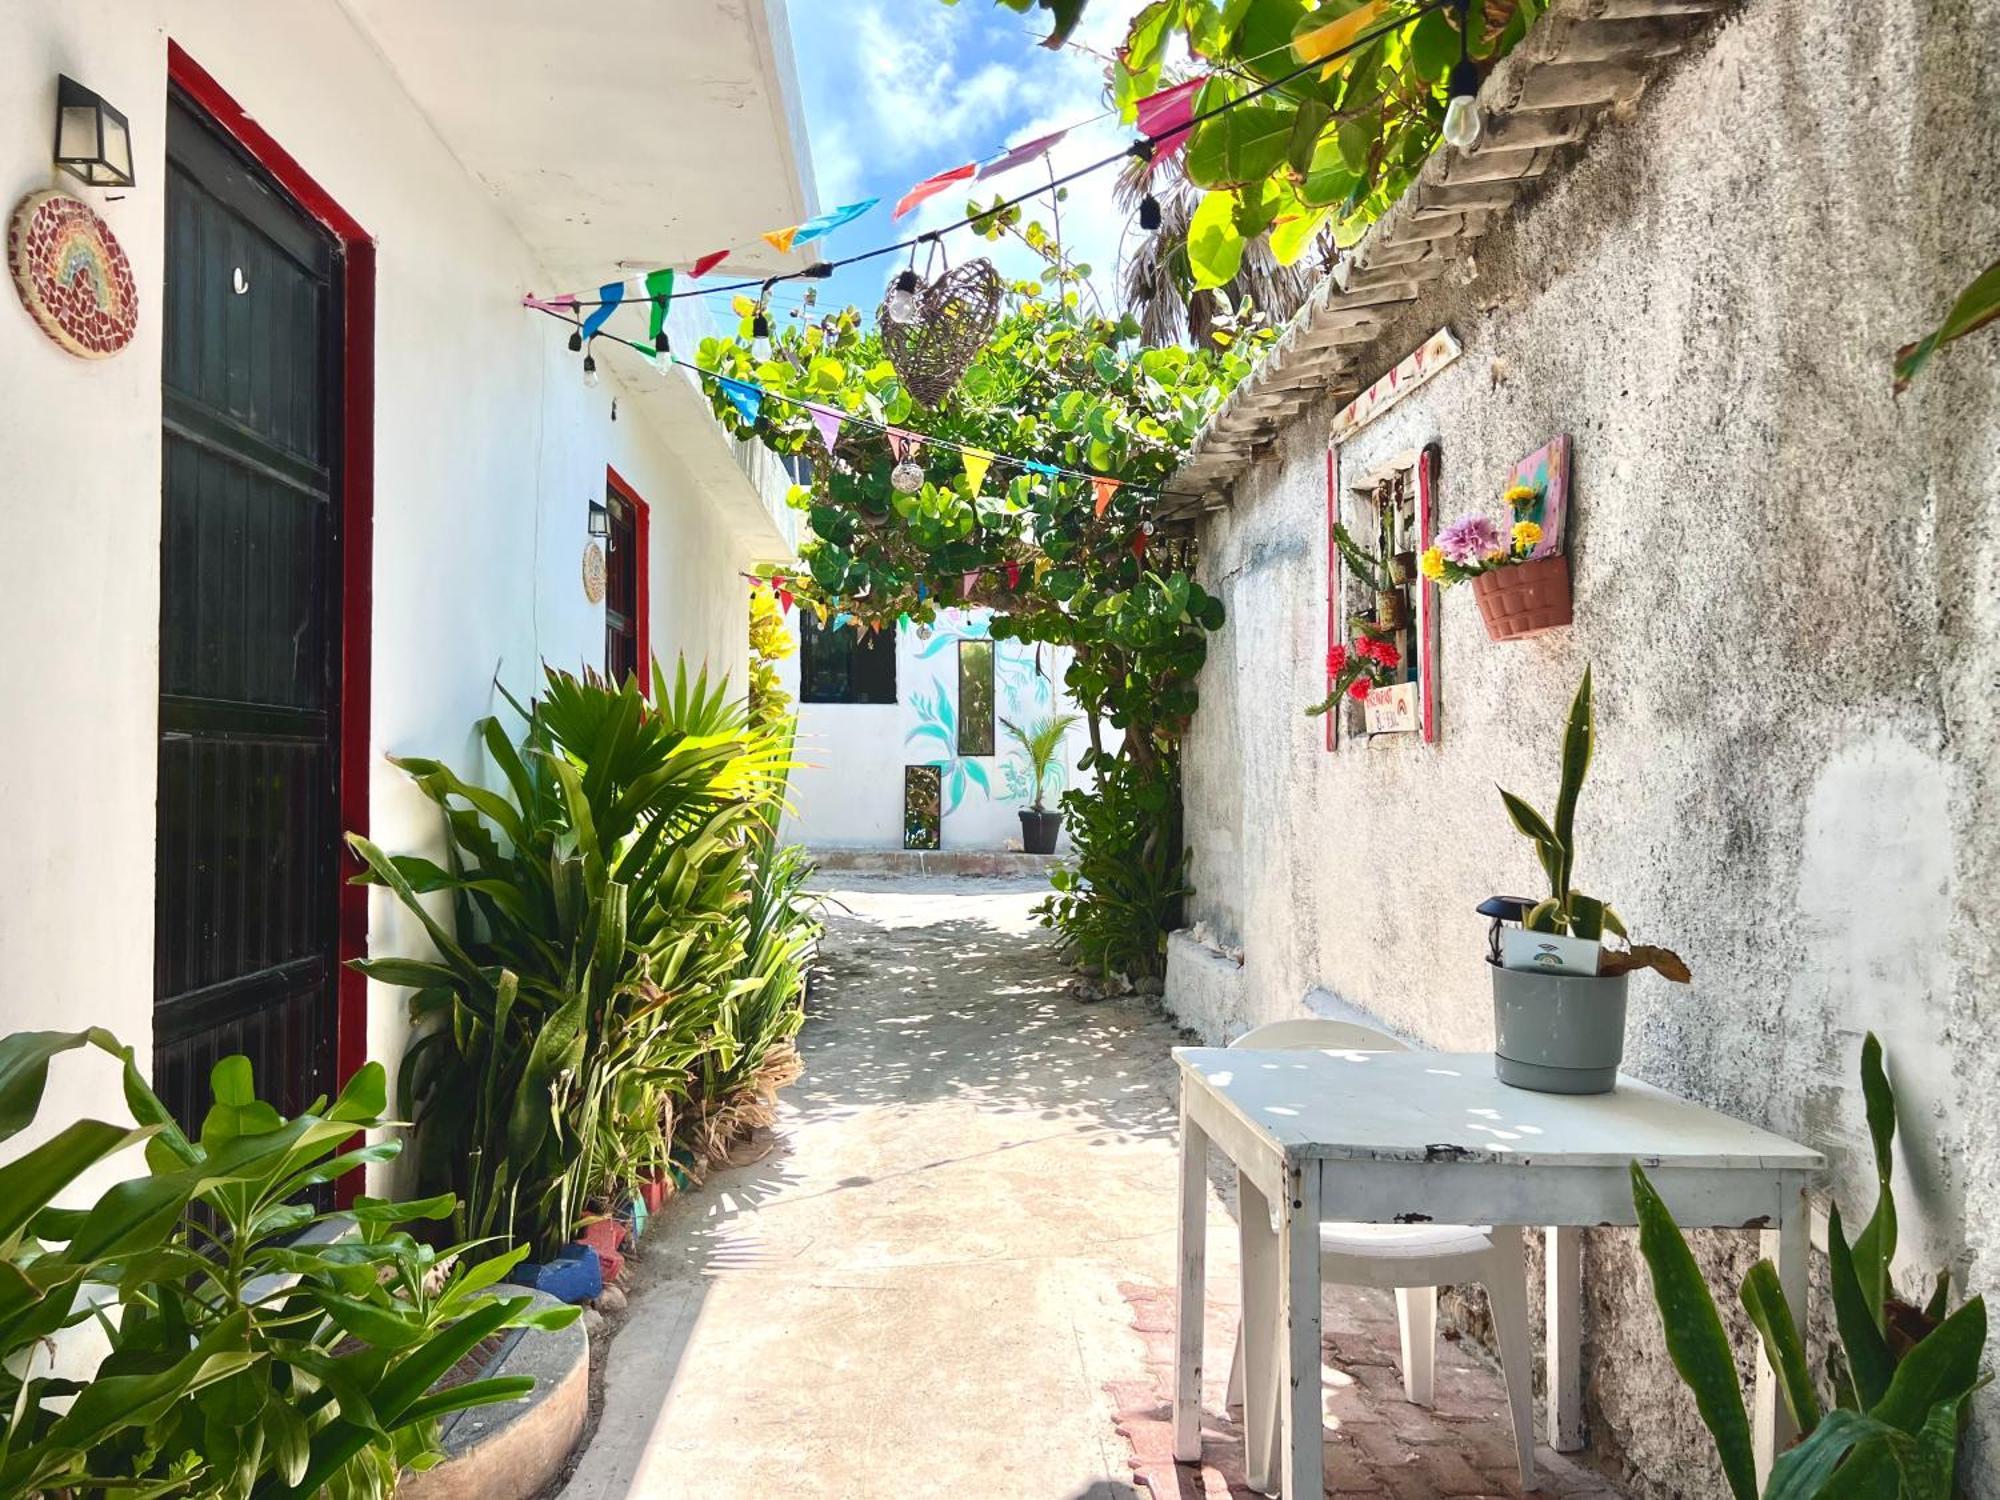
(1582, 58)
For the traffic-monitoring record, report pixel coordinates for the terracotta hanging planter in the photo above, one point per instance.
(1524, 598)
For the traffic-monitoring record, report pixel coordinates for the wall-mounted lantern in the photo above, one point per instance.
(600, 519)
(93, 140)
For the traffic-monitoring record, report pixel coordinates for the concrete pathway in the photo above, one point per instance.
(944, 1277)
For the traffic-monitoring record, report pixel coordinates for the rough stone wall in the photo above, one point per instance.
(1788, 582)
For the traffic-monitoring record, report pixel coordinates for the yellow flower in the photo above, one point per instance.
(1431, 564)
(1522, 494)
(1526, 534)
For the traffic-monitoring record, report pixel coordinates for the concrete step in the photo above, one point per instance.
(990, 862)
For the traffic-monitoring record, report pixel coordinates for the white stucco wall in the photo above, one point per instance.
(1784, 579)
(487, 450)
(849, 794)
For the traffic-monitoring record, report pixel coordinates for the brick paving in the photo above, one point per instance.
(1377, 1443)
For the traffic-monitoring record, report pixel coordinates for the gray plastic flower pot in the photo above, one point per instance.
(1558, 1033)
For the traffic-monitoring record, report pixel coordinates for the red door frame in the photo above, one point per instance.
(357, 570)
(642, 586)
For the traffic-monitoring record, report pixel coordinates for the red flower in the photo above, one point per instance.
(1336, 660)
(1382, 653)
(1359, 688)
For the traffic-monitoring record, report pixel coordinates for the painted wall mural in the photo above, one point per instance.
(1025, 687)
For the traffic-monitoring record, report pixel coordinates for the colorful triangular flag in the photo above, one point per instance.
(977, 462)
(565, 303)
(930, 187)
(827, 420)
(900, 443)
(1013, 574)
(1165, 116)
(831, 220)
(660, 287)
(780, 240)
(746, 398)
(608, 297)
(968, 583)
(1021, 155)
(1105, 487)
(709, 262)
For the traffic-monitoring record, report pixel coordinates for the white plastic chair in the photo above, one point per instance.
(1413, 1260)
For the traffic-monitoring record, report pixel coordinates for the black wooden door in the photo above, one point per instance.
(245, 937)
(621, 592)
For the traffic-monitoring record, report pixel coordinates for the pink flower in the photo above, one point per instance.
(1468, 540)
(1382, 653)
(1359, 688)
(1336, 660)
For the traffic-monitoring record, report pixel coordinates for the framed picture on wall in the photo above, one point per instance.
(1546, 470)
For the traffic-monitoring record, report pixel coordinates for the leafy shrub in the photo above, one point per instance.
(1120, 893)
(243, 1358)
(595, 965)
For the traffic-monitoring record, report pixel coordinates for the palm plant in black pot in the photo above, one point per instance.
(1041, 741)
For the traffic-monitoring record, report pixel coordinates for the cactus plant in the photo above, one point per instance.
(1567, 911)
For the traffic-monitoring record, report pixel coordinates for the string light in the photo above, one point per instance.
(576, 341)
(1461, 116)
(902, 305)
(760, 322)
(907, 477)
(1149, 212)
(590, 371)
(1142, 148)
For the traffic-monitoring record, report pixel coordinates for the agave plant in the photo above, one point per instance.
(595, 950)
(1904, 1376)
(1041, 741)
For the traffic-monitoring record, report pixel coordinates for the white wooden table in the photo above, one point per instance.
(1403, 1137)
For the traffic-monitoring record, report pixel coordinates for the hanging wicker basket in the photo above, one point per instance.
(1524, 598)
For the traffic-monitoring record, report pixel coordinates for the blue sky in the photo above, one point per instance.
(895, 90)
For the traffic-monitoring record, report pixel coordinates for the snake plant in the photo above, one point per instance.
(1905, 1374)
(1566, 911)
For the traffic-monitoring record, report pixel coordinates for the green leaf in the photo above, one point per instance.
(1295, 233)
(1875, 1246)
(1801, 1472)
(30, 1182)
(1975, 307)
(1243, 146)
(1695, 1338)
(1764, 1300)
(1943, 1366)
(1215, 248)
(24, 1069)
(1869, 1361)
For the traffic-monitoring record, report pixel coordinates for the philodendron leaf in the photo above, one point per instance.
(1800, 1473)
(1695, 1338)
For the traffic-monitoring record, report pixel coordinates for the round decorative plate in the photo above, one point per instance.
(72, 274)
(593, 573)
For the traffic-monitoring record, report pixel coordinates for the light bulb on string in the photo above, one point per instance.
(1461, 116)
(575, 342)
(901, 305)
(760, 322)
(1149, 212)
(907, 477)
(590, 371)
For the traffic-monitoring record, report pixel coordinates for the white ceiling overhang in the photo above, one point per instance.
(636, 133)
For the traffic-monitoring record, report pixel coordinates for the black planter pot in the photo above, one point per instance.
(1039, 830)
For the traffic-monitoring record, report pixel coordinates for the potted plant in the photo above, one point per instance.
(1558, 988)
(1041, 741)
(1522, 587)
(1365, 663)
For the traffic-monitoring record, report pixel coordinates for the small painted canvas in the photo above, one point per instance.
(922, 817)
(1547, 469)
(1392, 709)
